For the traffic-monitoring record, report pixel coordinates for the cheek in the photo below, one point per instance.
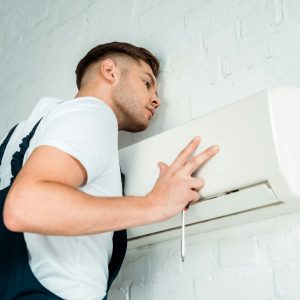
(139, 97)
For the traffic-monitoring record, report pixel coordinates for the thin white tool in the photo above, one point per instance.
(183, 235)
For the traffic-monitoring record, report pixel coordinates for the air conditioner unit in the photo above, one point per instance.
(256, 174)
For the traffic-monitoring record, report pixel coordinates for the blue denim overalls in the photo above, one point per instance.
(16, 278)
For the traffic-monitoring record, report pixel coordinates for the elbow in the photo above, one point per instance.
(10, 222)
(12, 214)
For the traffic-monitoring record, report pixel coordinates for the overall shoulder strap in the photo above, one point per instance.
(119, 250)
(5, 142)
(18, 157)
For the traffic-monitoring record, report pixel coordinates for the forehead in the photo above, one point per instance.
(142, 67)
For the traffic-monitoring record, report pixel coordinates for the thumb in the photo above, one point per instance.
(162, 167)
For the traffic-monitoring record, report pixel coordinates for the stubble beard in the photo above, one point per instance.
(126, 108)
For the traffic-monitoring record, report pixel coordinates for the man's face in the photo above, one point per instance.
(135, 97)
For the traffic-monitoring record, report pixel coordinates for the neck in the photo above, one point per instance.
(101, 94)
(98, 92)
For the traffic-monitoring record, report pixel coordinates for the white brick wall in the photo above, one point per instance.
(213, 52)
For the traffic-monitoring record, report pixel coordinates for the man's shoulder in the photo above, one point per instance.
(85, 114)
(85, 105)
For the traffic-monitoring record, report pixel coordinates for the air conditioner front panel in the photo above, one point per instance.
(217, 207)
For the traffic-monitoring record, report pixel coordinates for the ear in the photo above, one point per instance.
(108, 70)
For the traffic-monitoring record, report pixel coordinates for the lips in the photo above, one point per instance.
(152, 111)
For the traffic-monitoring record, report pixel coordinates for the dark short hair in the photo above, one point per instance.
(95, 54)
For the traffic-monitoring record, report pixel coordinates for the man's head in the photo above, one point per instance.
(103, 51)
(124, 76)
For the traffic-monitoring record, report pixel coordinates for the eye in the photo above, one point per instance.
(147, 84)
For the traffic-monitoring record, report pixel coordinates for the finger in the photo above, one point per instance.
(162, 167)
(194, 197)
(194, 163)
(184, 154)
(197, 184)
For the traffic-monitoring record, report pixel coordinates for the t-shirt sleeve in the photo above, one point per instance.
(86, 132)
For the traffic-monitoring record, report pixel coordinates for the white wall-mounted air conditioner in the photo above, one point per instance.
(255, 175)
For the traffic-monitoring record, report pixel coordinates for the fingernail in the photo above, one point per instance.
(215, 148)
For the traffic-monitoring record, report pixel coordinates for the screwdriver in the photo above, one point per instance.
(183, 235)
(183, 231)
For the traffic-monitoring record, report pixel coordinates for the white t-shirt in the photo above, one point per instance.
(87, 129)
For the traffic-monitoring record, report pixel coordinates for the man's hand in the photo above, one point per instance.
(176, 187)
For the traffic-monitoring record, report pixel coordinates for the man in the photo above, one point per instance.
(67, 198)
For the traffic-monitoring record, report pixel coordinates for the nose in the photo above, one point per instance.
(155, 101)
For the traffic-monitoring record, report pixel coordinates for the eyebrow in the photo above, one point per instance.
(153, 81)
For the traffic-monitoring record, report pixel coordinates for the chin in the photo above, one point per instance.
(139, 129)
(136, 127)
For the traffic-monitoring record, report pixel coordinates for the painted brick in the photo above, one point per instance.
(32, 13)
(291, 9)
(74, 8)
(287, 280)
(28, 55)
(224, 41)
(235, 283)
(95, 11)
(66, 31)
(170, 289)
(288, 298)
(161, 8)
(237, 252)
(117, 294)
(259, 23)
(281, 247)
(202, 257)
(137, 270)
(212, 52)
(6, 7)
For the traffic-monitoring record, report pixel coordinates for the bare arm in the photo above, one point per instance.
(45, 198)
